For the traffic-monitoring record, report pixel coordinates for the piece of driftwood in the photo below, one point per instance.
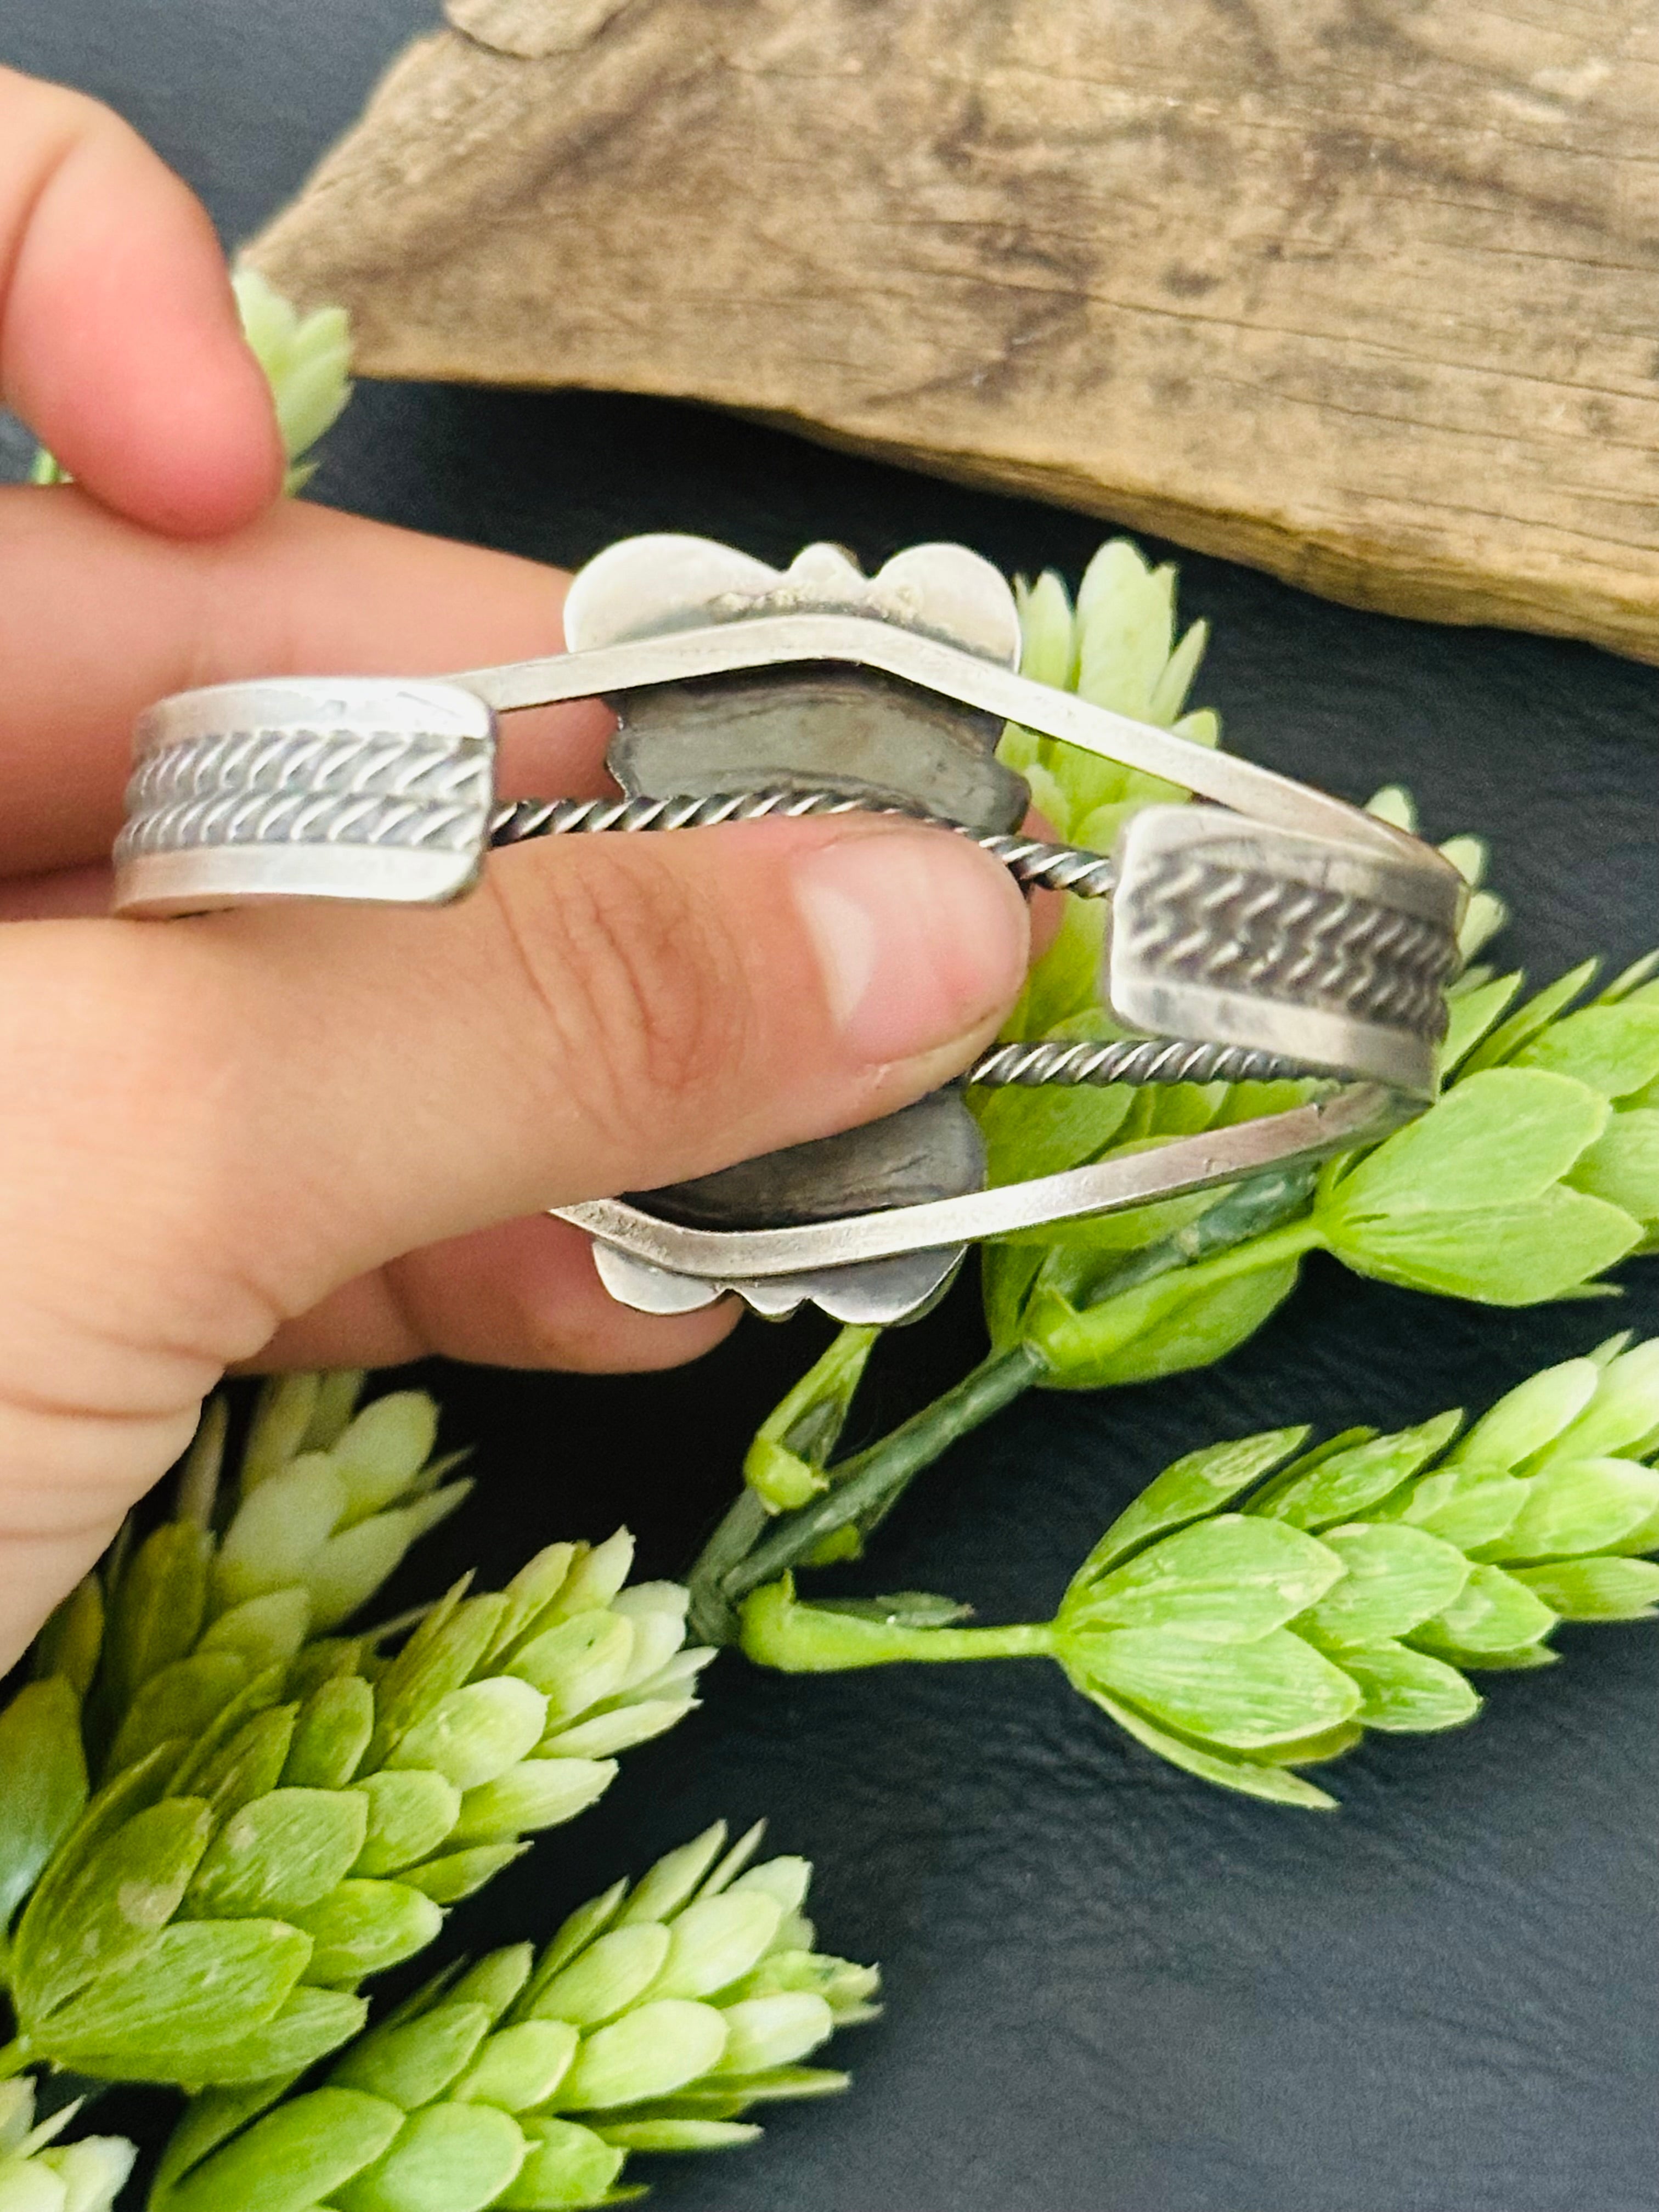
(1364, 291)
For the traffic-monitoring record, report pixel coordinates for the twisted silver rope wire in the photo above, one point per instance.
(1030, 859)
(1130, 1059)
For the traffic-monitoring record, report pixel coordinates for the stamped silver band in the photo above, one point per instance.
(1272, 922)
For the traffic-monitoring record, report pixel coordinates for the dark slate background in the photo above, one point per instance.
(1110, 1988)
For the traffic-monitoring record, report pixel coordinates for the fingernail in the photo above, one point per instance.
(921, 939)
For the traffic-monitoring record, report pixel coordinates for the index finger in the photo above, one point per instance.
(119, 341)
(99, 619)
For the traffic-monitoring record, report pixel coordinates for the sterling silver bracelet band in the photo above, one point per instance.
(1268, 930)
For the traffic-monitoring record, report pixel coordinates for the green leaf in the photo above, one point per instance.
(1473, 1014)
(1241, 1696)
(438, 1658)
(268, 1631)
(1163, 1327)
(1252, 1779)
(46, 1785)
(251, 1763)
(1187, 1491)
(1467, 1505)
(280, 1853)
(446, 1880)
(537, 1793)
(1595, 1589)
(578, 1662)
(1579, 1505)
(614, 1972)
(1523, 1255)
(773, 2030)
(1622, 1417)
(111, 1913)
(204, 1981)
(1344, 1484)
(220, 1748)
(380, 1452)
(363, 1927)
(278, 1529)
(156, 1611)
(1532, 1017)
(293, 2158)
(520, 2067)
(566, 2166)
(449, 2158)
(716, 1941)
(330, 1735)
(477, 1732)
(1228, 1579)
(411, 2061)
(1613, 1049)
(1038, 1131)
(1395, 1578)
(678, 2135)
(410, 1812)
(1530, 1416)
(1493, 1615)
(1622, 1165)
(1407, 1692)
(72, 1640)
(178, 1703)
(649, 2053)
(306, 2027)
(1495, 1140)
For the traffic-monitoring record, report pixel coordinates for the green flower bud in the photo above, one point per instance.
(488, 2068)
(40, 2174)
(1351, 1588)
(305, 360)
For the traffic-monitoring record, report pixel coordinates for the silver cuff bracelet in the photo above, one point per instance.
(1272, 931)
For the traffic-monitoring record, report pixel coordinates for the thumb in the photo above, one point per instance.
(214, 1123)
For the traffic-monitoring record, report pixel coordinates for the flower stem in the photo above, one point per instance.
(869, 1485)
(819, 1639)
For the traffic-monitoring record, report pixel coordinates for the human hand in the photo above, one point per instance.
(327, 1135)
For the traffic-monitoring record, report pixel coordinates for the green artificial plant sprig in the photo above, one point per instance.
(657, 2017)
(210, 1916)
(1260, 1605)
(169, 1634)
(40, 2173)
(1536, 1171)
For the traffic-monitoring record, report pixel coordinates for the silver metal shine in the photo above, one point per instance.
(1292, 935)
(1030, 860)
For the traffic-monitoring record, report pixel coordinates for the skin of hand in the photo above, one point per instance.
(326, 1134)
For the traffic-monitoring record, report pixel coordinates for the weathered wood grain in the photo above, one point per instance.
(1364, 291)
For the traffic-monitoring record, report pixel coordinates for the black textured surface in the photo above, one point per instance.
(1111, 1989)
